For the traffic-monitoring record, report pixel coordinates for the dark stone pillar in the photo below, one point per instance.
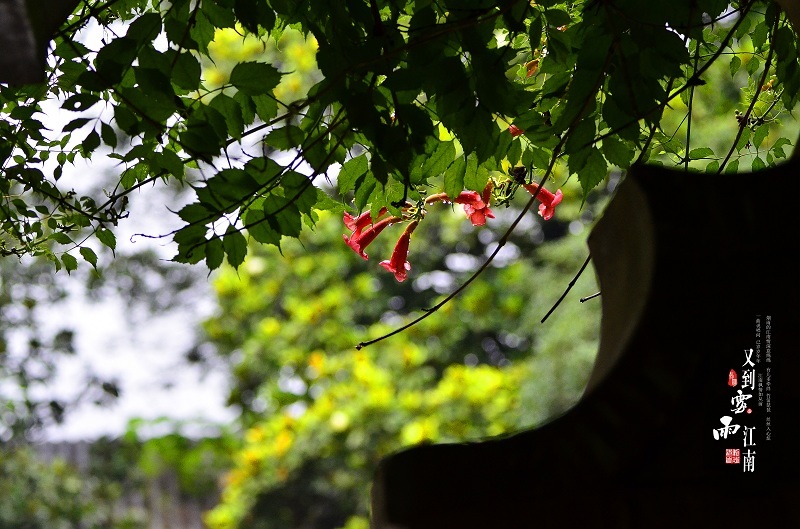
(26, 27)
(696, 270)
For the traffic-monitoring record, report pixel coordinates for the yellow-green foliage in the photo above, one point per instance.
(293, 53)
(321, 414)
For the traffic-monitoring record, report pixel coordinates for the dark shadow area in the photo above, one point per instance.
(26, 27)
(687, 420)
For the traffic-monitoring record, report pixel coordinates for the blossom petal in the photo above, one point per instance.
(398, 264)
(475, 208)
(362, 221)
(548, 209)
(515, 131)
(361, 239)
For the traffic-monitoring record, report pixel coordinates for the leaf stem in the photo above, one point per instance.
(746, 116)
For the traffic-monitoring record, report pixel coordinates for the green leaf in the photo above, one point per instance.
(436, 163)
(253, 13)
(201, 31)
(581, 137)
(186, 73)
(285, 138)
(195, 213)
(265, 171)
(214, 253)
(514, 152)
(113, 60)
(593, 172)
(619, 120)
(75, 124)
(205, 134)
(535, 32)
(470, 170)
(735, 64)
(255, 78)
(232, 112)
(132, 175)
(475, 176)
(108, 135)
(758, 164)
(170, 162)
(702, 152)
(744, 139)
(235, 245)
(145, 28)
(247, 107)
(777, 147)
(282, 215)
(743, 29)
(126, 120)
(760, 135)
(61, 238)
(52, 257)
(107, 237)
(226, 189)
(454, 177)
(670, 50)
(536, 158)
(752, 66)
(90, 143)
(759, 35)
(157, 104)
(732, 167)
(70, 49)
(299, 190)
(219, 14)
(191, 242)
(88, 255)
(80, 102)
(784, 42)
(326, 203)
(559, 47)
(266, 107)
(70, 263)
(364, 189)
(617, 152)
(350, 172)
(554, 86)
(557, 17)
(255, 220)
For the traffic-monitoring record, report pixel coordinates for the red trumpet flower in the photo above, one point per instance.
(355, 224)
(515, 131)
(475, 207)
(548, 200)
(364, 230)
(398, 264)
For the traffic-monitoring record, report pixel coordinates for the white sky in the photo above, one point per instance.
(144, 353)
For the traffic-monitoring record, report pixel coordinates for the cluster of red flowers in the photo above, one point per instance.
(364, 229)
(364, 232)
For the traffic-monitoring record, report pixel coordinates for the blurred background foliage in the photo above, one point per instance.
(318, 415)
(293, 53)
(37, 494)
